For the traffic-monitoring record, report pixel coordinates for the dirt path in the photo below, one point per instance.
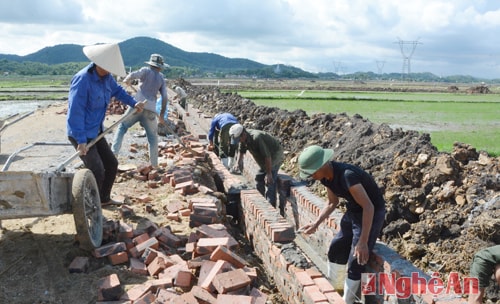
(35, 252)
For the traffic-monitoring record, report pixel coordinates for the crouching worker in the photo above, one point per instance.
(219, 140)
(486, 263)
(267, 152)
(360, 225)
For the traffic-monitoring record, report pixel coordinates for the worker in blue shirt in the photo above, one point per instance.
(218, 136)
(90, 93)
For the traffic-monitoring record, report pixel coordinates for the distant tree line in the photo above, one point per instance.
(29, 68)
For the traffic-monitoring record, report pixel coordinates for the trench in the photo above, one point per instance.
(296, 263)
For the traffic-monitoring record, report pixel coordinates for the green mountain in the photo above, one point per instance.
(136, 51)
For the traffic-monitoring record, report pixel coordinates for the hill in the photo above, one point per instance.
(136, 51)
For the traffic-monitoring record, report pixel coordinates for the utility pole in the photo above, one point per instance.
(380, 66)
(407, 50)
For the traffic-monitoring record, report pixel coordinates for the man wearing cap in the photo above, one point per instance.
(218, 135)
(181, 96)
(360, 225)
(151, 82)
(90, 93)
(485, 264)
(267, 153)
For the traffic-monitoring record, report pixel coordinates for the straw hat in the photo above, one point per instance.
(107, 56)
(156, 60)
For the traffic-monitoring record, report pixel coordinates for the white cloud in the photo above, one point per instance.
(320, 35)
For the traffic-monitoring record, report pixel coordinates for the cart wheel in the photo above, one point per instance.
(87, 210)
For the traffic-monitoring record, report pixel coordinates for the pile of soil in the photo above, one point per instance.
(438, 204)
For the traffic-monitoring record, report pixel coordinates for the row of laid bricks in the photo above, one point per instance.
(382, 259)
(267, 229)
(302, 206)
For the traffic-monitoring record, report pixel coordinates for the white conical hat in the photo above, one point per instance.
(107, 56)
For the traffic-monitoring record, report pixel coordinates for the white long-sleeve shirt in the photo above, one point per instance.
(151, 82)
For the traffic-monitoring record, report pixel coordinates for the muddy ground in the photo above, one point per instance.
(441, 207)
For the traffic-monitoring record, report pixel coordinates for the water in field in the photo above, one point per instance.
(13, 107)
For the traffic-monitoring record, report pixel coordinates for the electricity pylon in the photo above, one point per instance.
(407, 52)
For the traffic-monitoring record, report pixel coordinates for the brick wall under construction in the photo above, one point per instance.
(271, 235)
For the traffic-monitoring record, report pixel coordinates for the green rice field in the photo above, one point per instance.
(448, 117)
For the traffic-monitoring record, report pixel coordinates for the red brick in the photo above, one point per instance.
(223, 253)
(190, 247)
(162, 283)
(173, 216)
(79, 265)
(314, 294)
(205, 268)
(203, 295)
(118, 258)
(173, 270)
(136, 292)
(125, 231)
(258, 296)
(233, 299)
(164, 235)
(109, 249)
(109, 288)
(149, 255)
(185, 298)
(150, 243)
(137, 266)
(146, 298)
(251, 272)
(323, 284)
(183, 278)
(334, 297)
(185, 212)
(208, 245)
(177, 259)
(230, 281)
(158, 264)
(145, 198)
(166, 296)
(215, 269)
(141, 238)
(314, 273)
(304, 278)
(196, 262)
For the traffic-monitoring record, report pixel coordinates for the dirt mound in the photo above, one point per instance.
(438, 204)
(478, 90)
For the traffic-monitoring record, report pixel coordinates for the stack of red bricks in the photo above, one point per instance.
(213, 273)
(179, 176)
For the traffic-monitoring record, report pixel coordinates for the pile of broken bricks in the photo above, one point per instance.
(204, 267)
(214, 271)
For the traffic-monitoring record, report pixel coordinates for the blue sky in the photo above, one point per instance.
(444, 37)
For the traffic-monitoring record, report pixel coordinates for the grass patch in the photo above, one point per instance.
(46, 81)
(447, 117)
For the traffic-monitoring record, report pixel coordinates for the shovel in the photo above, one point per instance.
(90, 144)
